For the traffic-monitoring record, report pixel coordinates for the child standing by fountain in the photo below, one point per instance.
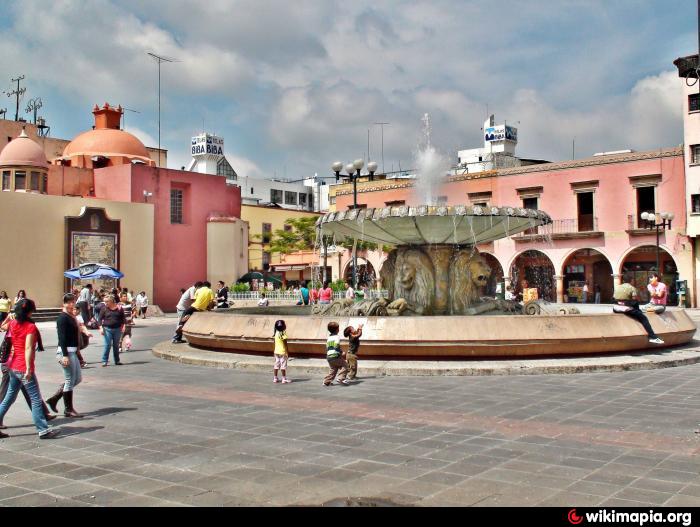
(334, 355)
(281, 352)
(354, 338)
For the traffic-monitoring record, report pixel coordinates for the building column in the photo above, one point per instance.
(560, 288)
(617, 279)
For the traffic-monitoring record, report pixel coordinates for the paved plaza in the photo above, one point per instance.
(162, 433)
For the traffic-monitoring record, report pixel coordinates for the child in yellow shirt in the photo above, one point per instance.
(281, 352)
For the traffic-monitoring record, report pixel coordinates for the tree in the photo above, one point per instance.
(301, 236)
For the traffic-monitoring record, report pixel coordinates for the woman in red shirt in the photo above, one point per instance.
(21, 368)
(325, 294)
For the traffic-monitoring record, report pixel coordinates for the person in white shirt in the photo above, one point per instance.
(509, 294)
(264, 301)
(142, 303)
(186, 300)
(349, 291)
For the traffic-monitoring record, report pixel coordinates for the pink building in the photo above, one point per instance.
(597, 235)
(186, 204)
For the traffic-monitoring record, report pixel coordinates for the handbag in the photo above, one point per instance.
(83, 341)
(6, 348)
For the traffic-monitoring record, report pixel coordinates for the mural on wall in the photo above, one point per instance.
(92, 238)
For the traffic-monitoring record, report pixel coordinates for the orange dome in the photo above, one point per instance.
(23, 152)
(106, 142)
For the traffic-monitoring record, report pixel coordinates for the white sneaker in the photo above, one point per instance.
(275, 379)
(657, 340)
(344, 382)
(286, 381)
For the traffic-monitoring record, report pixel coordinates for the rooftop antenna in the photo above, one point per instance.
(33, 106)
(159, 59)
(382, 125)
(17, 93)
(124, 115)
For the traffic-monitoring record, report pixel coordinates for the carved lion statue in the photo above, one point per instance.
(414, 280)
(386, 273)
(469, 274)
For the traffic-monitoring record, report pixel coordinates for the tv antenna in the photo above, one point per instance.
(124, 116)
(17, 93)
(160, 59)
(33, 106)
(382, 125)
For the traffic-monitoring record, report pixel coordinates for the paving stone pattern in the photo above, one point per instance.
(158, 433)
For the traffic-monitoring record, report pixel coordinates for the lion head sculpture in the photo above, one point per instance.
(414, 280)
(469, 274)
(386, 273)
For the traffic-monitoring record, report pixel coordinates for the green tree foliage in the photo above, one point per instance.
(300, 237)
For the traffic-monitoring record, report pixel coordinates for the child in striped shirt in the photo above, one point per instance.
(335, 357)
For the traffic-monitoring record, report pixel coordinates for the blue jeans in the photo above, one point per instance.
(32, 386)
(112, 337)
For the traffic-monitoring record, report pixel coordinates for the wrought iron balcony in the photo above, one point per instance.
(585, 226)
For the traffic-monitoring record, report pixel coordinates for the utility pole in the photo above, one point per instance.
(382, 125)
(160, 59)
(17, 93)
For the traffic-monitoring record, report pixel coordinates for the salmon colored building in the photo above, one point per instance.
(597, 235)
(196, 230)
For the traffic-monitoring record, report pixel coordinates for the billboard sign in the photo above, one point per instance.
(501, 133)
(207, 144)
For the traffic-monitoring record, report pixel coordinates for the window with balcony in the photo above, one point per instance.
(266, 260)
(646, 202)
(695, 203)
(290, 198)
(266, 232)
(694, 102)
(302, 199)
(276, 196)
(694, 154)
(585, 211)
(530, 203)
(176, 204)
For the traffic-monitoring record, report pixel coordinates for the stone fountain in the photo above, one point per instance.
(436, 270)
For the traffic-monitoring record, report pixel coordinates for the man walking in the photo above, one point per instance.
(84, 302)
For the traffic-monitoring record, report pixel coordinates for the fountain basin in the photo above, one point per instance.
(486, 336)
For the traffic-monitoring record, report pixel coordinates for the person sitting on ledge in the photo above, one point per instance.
(625, 296)
(658, 294)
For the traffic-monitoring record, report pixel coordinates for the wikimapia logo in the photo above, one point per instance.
(636, 518)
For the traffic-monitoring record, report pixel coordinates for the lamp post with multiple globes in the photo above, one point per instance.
(651, 222)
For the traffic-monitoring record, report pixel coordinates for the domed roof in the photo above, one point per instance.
(23, 152)
(106, 142)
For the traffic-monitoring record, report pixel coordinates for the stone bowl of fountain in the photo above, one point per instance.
(434, 277)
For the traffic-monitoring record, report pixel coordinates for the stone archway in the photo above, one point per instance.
(496, 274)
(535, 268)
(640, 262)
(587, 265)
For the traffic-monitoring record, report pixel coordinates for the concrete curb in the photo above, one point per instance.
(186, 354)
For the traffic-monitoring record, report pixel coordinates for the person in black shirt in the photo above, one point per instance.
(112, 324)
(222, 296)
(68, 347)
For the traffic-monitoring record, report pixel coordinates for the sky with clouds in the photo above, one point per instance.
(294, 85)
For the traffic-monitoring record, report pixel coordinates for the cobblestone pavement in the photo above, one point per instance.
(160, 433)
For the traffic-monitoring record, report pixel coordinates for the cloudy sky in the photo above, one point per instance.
(295, 85)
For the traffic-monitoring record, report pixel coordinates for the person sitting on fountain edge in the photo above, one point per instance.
(625, 296)
(204, 300)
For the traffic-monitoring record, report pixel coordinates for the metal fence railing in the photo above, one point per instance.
(292, 296)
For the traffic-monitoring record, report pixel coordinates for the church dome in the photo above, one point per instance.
(106, 142)
(23, 152)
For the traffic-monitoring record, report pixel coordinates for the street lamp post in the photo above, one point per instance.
(651, 223)
(353, 171)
